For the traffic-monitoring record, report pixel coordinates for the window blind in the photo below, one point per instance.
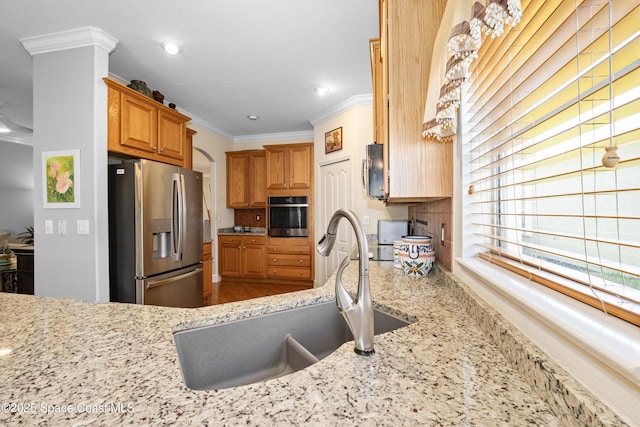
(546, 101)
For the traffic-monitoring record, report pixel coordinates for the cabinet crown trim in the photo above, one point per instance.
(130, 92)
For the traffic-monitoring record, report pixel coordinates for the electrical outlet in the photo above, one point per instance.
(365, 219)
(442, 234)
(258, 217)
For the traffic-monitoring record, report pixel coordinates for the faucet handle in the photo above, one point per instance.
(343, 299)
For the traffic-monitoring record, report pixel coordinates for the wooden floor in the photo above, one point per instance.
(230, 291)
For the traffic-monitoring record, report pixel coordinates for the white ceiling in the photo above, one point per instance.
(239, 57)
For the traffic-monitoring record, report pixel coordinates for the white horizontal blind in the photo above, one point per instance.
(544, 102)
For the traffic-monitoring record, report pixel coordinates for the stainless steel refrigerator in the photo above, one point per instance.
(155, 234)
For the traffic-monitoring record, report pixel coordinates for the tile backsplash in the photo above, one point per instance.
(430, 218)
(248, 217)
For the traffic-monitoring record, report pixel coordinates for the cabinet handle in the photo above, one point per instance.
(275, 259)
(301, 261)
(161, 150)
(155, 148)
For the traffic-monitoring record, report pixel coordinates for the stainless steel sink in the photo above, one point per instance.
(258, 348)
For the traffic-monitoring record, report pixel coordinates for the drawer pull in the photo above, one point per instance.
(301, 261)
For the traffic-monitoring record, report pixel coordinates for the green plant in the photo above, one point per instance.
(27, 236)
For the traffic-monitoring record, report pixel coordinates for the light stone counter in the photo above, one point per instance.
(115, 364)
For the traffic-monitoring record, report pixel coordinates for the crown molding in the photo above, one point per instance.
(354, 101)
(297, 136)
(70, 39)
(300, 136)
(206, 125)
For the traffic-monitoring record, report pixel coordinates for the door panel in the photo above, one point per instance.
(181, 290)
(192, 245)
(335, 189)
(155, 234)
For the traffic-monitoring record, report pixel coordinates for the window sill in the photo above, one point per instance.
(601, 352)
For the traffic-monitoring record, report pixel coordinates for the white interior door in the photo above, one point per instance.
(335, 193)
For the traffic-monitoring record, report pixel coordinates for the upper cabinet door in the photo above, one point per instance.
(289, 166)
(415, 169)
(246, 174)
(277, 174)
(300, 166)
(237, 166)
(139, 124)
(172, 132)
(257, 188)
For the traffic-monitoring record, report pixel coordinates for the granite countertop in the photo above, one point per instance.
(258, 231)
(111, 364)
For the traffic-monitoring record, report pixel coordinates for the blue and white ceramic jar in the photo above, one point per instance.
(416, 255)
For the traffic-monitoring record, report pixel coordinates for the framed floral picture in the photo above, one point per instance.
(333, 140)
(61, 179)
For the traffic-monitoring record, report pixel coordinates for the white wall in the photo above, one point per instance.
(16, 188)
(357, 133)
(216, 146)
(70, 112)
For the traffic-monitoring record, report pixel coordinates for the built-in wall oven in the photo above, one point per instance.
(288, 216)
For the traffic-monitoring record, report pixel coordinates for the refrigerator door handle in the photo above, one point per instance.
(176, 217)
(183, 215)
(155, 284)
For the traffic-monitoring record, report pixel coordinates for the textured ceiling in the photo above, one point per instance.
(239, 57)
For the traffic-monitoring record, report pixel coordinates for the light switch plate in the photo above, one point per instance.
(62, 227)
(48, 226)
(82, 226)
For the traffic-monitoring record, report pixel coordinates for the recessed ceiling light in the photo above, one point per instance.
(253, 117)
(171, 48)
(321, 90)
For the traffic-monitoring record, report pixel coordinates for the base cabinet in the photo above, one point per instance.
(207, 272)
(242, 256)
(289, 258)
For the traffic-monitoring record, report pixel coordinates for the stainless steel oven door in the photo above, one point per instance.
(288, 219)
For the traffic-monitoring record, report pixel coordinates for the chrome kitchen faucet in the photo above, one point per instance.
(358, 312)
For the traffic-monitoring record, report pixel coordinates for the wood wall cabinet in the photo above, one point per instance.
(380, 100)
(188, 149)
(207, 272)
(289, 258)
(246, 173)
(139, 126)
(242, 256)
(289, 166)
(416, 170)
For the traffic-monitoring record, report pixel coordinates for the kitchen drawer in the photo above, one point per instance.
(289, 260)
(289, 272)
(254, 240)
(288, 250)
(230, 239)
